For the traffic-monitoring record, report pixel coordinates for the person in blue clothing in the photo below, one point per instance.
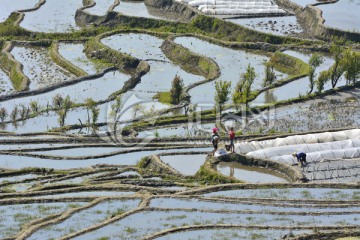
(301, 157)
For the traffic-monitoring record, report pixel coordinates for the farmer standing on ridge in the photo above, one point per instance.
(232, 138)
(215, 138)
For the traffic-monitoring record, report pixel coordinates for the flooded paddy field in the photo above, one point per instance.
(137, 9)
(128, 155)
(7, 7)
(53, 16)
(74, 52)
(342, 15)
(101, 7)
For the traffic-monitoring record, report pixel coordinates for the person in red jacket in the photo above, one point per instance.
(232, 138)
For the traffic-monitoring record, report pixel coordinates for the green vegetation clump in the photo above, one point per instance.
(95, 49)
(212, 176)
(163, 97)
(289, 64)
(19, 80)
(189, 61)
(10, 28)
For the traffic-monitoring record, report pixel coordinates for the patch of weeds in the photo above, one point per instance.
(355, 196)
(176, 217)
(74, 205)
(306, 194)
(343, 222)
(130, 230)
(257, 236)
(98, 212)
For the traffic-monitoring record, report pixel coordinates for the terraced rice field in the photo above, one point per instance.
(107, 108)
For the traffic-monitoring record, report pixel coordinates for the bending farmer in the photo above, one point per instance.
(301, 157)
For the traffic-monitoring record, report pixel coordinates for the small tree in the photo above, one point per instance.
(90, 103)
(315, 61)
(3, 114)
(115, 110)
(57, 100)
(270, 97)
(95, 111)
(64, 109)
(136, 109)
(237, 96)
(322, 79)
(242, 92)
(337, 69)
(351, 63)
(270, 76)
(34, 106)
(176, 90)
(222, 93)
(24, 111)
(116, 107)
(14, 113)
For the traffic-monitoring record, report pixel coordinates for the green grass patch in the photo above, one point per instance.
(163, 97)
(289, 64)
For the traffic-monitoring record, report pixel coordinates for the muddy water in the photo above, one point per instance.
(208, 205)
(39, 67)
(343, 15)
(53, 16)
(292, 193)
(74, 52)
(15, 216)
(80, 152)
(9, 161)
(86, 218)
(6, 86)
(87, 194)
(185, 130)
(160, 77)
(232, 63)
(230, 234)
(282, 26)
(249, 174)
(9, 6)
(185, 164)
(136, 9)
(17, 178)
(101, 7)
(154, 221)
(142, 46)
